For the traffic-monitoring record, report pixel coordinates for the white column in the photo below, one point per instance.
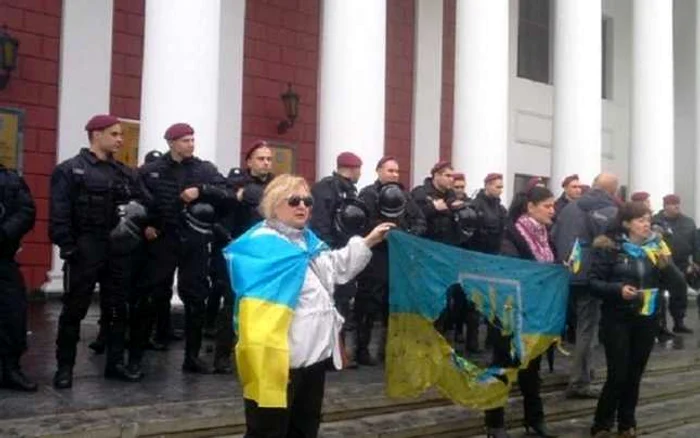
(84, 87)
(352, 83)
(427, 88)
(697, 114)
(180, 73)
(230, 112)
(652, 137)
(577, 135)
(480, 140)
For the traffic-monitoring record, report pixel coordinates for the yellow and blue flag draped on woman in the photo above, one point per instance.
(267, 273)
(526, 300)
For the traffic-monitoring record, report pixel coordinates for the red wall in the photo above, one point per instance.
(399, 84)
(448, 79)
(127, 59)
(34, 89)
(281, 45)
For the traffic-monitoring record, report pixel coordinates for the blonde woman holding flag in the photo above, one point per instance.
(286, 321)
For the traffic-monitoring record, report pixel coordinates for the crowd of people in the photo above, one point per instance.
(129, 231)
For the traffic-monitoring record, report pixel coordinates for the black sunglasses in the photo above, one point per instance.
(294, 201)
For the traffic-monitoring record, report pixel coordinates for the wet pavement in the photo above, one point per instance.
(165, 383)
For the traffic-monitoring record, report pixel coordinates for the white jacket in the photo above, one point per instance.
(316, 324)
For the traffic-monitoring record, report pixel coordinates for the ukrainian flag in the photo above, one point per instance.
(524, 299)
(267, 273)
(649, 300)
(575, 258)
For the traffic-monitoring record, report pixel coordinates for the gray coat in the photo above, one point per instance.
(590, 216)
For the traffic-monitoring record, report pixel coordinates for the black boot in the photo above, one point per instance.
(98, 345)
(118, 371)
(13, 377)
(680, 327)
(364, 335)
(539, 430)
(63, 379)
(365, 359)
(222, 364)
(497, 432)
(194, 323)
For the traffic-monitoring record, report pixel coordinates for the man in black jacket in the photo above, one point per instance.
(177, 181)
(86, 191)
(493, 216)
(572, 191)
(437, 201)
(331, 194)
(17, 214)
(372, 300)
(248, 186)
(680, 233)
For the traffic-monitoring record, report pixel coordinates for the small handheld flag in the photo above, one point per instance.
(649, 298)
(575, 258)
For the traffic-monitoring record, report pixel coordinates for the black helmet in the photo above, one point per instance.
(128, 233)
(351, 218)
(392, 200)
(200, 216)
(252, 194)
(468, 219)
(152, 156)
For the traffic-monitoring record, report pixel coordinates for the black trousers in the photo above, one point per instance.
(189, 253)
(224, 318)
(628, 342)
(301, 418)
(80, 276)
(371, 305)
(13, 310)
(96, 263)
(528, 380)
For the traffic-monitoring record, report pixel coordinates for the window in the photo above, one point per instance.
(534, 40)
(520, 181)
(607, 63)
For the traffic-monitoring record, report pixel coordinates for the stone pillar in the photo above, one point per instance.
(84, 86)
(577, 128)
(181, 73)
(652, 136)
(480, 141)
(427, 88)
(352, 86)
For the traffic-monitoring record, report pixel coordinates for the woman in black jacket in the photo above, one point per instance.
(630, 266)
(526, 237)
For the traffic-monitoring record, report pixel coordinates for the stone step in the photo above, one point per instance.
(347, 401)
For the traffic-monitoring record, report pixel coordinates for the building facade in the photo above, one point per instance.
(523, 87)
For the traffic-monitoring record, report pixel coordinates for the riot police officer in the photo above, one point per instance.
(386, 201)
(248, 185)
(180, 234)
(86, 191)
(437, 201)
(17, 214)
(338, 215)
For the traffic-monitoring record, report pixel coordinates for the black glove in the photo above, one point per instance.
(69, 252)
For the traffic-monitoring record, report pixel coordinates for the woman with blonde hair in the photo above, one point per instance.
(286, 321)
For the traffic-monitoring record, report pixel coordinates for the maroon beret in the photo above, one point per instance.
(254, 147)
(178, 130)
(492, 177)
(533, 182)
(348, 159)
(568, 180)
(100, 122)
(672, 200)
(382, 161)
(639, 196)
(458, 177)
(440, 166)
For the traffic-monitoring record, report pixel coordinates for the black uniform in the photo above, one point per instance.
(328, 196)
(178, 245)
(85, 194)
(441, 225)
(372, 300)
(17, 214)
(488, 236)
(240, 216)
